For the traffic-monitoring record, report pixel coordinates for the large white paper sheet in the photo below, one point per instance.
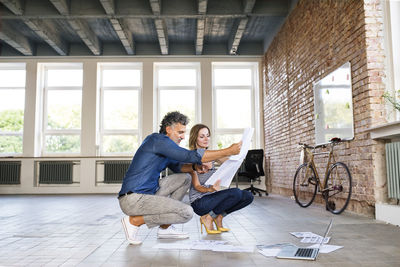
(309, 237)
(173, 246)
(272, 250)
(225, 173)
(214, 245)
(227, 170)
(326, 248)
(231, 248)
(246, 142)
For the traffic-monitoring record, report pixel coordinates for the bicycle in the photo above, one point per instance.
(337, 184)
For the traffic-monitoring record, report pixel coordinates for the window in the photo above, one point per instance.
(12, 101)
(333, 106)
(62, 108)
(120, 86)
(392, 59)
(177, 86)
(235, 105)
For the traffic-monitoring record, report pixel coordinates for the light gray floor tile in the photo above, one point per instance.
(85, 230)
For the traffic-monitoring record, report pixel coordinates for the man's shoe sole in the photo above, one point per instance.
(172, 236)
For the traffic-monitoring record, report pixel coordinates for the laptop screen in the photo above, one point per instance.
(326, 233)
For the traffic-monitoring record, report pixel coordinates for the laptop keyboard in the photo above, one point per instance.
(304, 252)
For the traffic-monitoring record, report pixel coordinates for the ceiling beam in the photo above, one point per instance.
(109, 6)
(202, 9)
(156, 7)
(234, 40)
(161, 27)
(15, 40)
(44, 30)
(84, 31)
(200, 36)
(49, 35)
(119, 27)
(248, 6)
(61, 6)
(80, 26)
(14, 5)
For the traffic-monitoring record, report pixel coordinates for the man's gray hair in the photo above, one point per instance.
(172, 118)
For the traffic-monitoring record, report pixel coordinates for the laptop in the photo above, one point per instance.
(296, 253)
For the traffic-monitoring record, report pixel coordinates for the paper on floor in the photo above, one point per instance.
(272, 250)
(214, 245)
(309, 237)
(326, 248)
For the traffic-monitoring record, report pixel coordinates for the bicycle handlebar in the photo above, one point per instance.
(308, 146)
(333, 141)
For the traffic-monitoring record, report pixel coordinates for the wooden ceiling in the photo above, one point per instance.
(139, 27)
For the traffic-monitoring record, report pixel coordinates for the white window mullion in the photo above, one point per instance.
(233, 87)
(11, 133)
(136, 131)
(177, 88)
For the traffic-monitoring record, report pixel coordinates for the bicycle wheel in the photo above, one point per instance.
(338, 184)
(305, 188)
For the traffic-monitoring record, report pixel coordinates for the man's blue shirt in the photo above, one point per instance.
(156, 153)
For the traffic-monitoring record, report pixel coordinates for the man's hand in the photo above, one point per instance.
(205, 167)
(235, 148)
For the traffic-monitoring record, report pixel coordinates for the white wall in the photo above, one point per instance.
(86, 170)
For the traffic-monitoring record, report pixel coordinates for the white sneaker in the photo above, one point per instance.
(130, 231)
(171, 232)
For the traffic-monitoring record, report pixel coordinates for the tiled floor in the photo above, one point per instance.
(86, 231)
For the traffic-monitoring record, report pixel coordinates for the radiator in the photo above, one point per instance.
(114, 171)
(393, 169)
(10, 172)
(56, 172)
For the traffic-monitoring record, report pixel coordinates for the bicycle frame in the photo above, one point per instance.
(310, 161)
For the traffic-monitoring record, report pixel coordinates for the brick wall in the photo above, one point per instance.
(318, 37)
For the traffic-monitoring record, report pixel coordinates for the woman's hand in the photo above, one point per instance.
(235, 148)
(216, 185)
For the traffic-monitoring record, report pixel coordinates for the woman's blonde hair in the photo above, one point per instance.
(194, 133)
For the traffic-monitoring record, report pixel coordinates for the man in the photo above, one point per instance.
(148, 200)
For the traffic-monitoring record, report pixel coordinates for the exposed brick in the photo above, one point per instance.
(318, 37)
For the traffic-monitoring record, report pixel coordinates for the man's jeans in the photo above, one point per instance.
(165, 207)
(222, 202)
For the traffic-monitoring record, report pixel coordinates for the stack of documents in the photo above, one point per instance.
(213, 245)
(309, 237)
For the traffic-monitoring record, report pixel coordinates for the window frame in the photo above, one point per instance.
(45, 90)
(103, 132)
(391, 22)
(254, 94)
(157, 66)
(14, 66)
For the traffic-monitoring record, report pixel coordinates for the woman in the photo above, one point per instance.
(208, 202)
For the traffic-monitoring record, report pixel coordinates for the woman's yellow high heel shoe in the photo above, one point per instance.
(212, 232)
(222, 229)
